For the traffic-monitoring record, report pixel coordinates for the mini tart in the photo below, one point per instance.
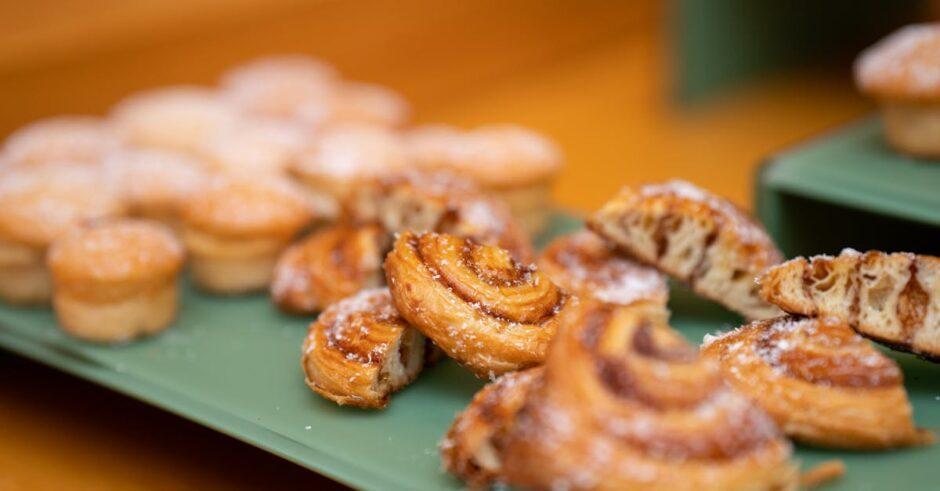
(253, 147)
(902, 73)
(116, 280)
(695, 237)
(472, 448)
(821, 382)
(584, 265)
(236, 229)
(438, 202)
(329, 265)
(174, 118)
(891, 298)
(277, 86)
(78, 139)
(484, 309)
(37, 205)
(360, 351)
(625, 404)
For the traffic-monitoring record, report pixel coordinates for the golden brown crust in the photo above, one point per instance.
(360, 350)
(822, 383)
(61, 139)
(253, 147)
(695, 237)
(625, 403)
(327, 266)
(156, 183)
(346, 154)
(475, 302)
(903, 66)
(583, 265)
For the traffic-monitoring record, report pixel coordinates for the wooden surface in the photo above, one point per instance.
(590, 74)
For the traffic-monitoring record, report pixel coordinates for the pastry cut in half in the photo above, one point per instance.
(695, 237)
(824, 384)
(360, 351)
(891, 298)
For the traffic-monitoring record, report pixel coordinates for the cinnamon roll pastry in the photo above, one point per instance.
(584, 265)
(327, 266)
(624, 403)
(891, 298)
(473, 445)
(483, 308)
(822, 383)
(360, 351)
(437, 202)
(695, 237)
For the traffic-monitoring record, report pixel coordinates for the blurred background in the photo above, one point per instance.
(631, 90)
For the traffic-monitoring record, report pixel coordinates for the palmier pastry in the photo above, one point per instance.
(236, 229)
(483, 308)
(77, 139)
(37, 205)
(695, 237)
(116, 280)
(902, 72)
(584, 265)
(473, 445)
(275, 87)
(438, 202)
(624, 403)
(823, 383)
(360, 350)
(329, 265)
(891, 298)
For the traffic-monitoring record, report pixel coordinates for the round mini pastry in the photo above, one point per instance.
(822, 383)
(156, 183)
(329, 265)
(278, 86)
(583, 265)
(236, 229)
(360, 351)
(625, 404)
(484, 309)
(76, 139)
(902, 72)
(116, 280)
(175, 118)
(368, 104)
(38, 204)
(253, 147)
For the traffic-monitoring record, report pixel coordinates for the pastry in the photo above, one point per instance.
(584, 265)
(510, 162)
(891, 298)
(173, 118)
(356, 102)
(277, 86)
(483, 308)
(116, 280)
(38, 204)
(61, 139)
(624, 403)
(473, 446)
(236, 229)
(253, 147)
(695, 237)
(329, 265)
(360, 350)
(902, 73)
(439, 202)
(821, 382)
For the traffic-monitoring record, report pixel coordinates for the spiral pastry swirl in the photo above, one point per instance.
(625, 403)
(360, 350)
(328, 266)
(482, 307)
(822, 383)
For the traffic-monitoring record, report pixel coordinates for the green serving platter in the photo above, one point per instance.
(233, 364)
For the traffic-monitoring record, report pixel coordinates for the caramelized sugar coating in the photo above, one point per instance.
(903, 66)
(822, 383)
(277, 86)
(156, 183)
(695, 237)
(78, 139)
(624, 403)
(584, 265)
(483, 308)
(329, 265)
(360, 351)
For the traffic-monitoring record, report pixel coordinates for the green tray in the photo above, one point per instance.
(233, 365)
